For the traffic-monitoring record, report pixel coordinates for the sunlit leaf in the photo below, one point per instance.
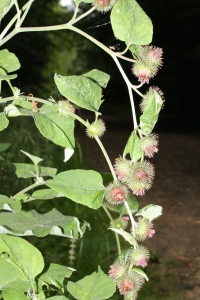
(25, 255)
(28, 170)
(3, 121)
(55, 275)
(130, 23)
(99, 77)
(82, 186)
(150, 212)
(8, 61)
(96, 286)
(80, 90)
(5, 5)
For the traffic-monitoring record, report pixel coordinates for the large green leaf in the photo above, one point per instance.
(82, 186)
(8, 61)
(28, 170)
(24, 255)
(130, 23)
(98, 77)
(96, 286)
(3, 121)
(80, 90)
(9, 204)
(55, 275)
(27, 223)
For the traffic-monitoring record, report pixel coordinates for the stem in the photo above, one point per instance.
(30, 187)
(74, 19)
(129, 85)
(106, 157)
(116, 234)
(131, 217)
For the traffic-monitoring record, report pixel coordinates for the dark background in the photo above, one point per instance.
(176, 30)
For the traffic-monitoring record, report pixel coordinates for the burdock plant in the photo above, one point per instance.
(22, 270)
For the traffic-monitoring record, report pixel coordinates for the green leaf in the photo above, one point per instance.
(3, 121)
(44, 194)
(28, 171)
(4, 146)
(151, 112)
(9, 204)
(58, 298)
(55, 275)
(82, 186)
(130, 23)
(36, 160)
(25, 223)
(4, 7)
(127, 236)
(24, 255)
(8, 77)
(12, 280)
(133, 147)
(12, 111)
(150, 212)
(80, 90)
(141, 272)
(13, 293)
(59, 130)
(8, 61)
(98, 77)
(121, 209)
(96, 286)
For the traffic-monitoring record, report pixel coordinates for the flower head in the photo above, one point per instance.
(65, 107)
(116, 193)
(121, 222)
(139, 256)
(118, 269)
(149, 145)
(140, 177)
(104, 5)
(142, 71)
(96, 129)
(144, 229)
(122, 168)
(153, 95)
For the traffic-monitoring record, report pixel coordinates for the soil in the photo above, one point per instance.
(176, 188)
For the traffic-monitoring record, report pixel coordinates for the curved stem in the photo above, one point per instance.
(106, 157)
(30, 187)
(116, 234)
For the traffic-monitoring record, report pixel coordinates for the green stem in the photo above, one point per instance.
(30, 187)
(133, 223)
(116, 235)
(106, 157)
